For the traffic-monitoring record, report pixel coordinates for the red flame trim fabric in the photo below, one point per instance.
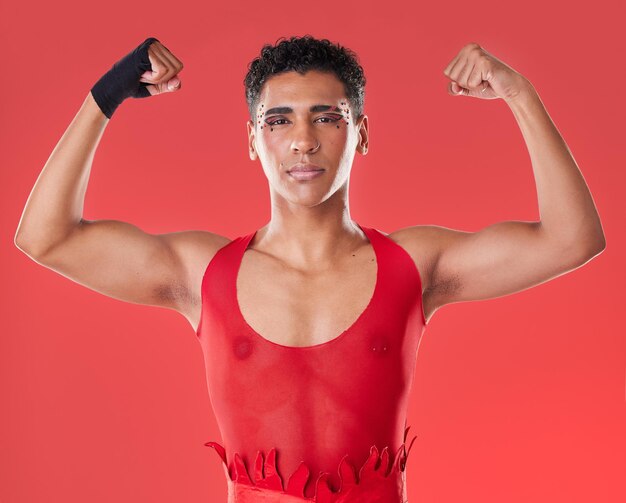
(380, 478)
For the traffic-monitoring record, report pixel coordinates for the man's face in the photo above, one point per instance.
(306, 119)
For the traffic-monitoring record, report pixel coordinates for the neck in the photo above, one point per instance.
(310, 236)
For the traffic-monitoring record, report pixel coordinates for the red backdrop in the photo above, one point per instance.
(515, 399)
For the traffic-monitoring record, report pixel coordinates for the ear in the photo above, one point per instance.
(251, 140)
(363, 131)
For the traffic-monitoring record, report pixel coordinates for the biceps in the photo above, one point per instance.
(119, 260)
(498, 260)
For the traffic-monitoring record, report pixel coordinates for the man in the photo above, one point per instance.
(310, 337)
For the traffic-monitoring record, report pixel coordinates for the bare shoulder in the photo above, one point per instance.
(422, 243)
(195, 250)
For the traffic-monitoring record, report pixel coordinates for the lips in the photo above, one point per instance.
(304, 168)
(304, 172)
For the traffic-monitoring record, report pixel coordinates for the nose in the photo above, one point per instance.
(304, 140)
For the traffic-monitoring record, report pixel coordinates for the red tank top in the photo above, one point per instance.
(319, 423)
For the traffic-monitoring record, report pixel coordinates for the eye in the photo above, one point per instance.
(274, 122)
(330, 119)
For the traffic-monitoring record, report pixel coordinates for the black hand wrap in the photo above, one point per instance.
(122, 80)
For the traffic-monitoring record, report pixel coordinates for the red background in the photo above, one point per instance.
(515, 399)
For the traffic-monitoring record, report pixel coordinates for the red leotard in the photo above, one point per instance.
(321, 423)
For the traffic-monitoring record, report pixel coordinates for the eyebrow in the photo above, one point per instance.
(314, 108)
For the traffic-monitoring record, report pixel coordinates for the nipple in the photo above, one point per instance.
(380, 345)
(242, 347)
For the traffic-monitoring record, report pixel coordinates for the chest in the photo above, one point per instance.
(302, 308)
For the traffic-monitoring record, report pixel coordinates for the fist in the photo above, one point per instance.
(163, 76)
(475, 72)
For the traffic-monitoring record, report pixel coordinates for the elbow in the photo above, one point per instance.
(596, 243)
(598, 249)
(21, 238)
(26, 246)
(18, 241)
(23, 247)
(593, 241)
(601, 245)
(579, 242)
(577, 252)
(591, 247)
(37, 240)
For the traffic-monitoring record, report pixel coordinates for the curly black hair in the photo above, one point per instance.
(302, 54)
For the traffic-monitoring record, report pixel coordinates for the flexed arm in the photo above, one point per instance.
(114, 258)
(55, 206)
(510, 256)
(567, 211)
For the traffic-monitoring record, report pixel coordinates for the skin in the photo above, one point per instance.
(310, 271)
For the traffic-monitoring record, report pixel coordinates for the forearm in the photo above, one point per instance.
(55, 205)
(567, 211)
